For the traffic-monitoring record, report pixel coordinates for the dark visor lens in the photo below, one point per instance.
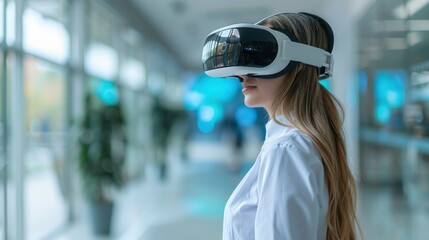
(248, 47)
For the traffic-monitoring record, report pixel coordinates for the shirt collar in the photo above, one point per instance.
(275, 130)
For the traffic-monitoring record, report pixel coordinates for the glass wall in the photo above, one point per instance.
(44, 30)
(102, 55)
(3, 130)
(45, 124)
(394, 113)
(133, 78)
(44, 44)
(46, 41)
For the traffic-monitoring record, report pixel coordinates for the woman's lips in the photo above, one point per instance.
(247, 88)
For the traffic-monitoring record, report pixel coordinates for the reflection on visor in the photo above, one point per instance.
(239, 47)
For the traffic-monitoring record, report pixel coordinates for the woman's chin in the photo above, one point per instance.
(249, 102)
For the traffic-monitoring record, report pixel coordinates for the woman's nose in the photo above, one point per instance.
(242, 78)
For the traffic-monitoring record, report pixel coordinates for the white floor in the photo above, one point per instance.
(189, 204)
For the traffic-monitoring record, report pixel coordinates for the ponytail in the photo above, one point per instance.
(312, 109)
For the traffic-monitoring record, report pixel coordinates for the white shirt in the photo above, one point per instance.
(284, 195)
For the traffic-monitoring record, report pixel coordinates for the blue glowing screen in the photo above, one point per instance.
(363, 81)
(208, 96)
(389, 90)
(326, 83)
(106, 91)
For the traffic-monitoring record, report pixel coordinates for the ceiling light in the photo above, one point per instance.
(410, 8)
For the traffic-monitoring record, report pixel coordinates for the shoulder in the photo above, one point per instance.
(293, 139)
(294, 147)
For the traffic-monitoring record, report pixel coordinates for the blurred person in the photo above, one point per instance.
(163, 120)
(300, 186)
(231, 126)
(238, 157)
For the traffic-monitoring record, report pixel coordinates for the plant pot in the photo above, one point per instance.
(101, 217)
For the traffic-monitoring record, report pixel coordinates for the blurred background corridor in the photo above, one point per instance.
(109, 129)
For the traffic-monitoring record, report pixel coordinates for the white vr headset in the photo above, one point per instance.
(263, 52)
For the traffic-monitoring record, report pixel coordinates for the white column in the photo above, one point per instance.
(5, 130)
(78, 20)
(17, 133)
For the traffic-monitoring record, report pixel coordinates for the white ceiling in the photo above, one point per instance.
(184, 24)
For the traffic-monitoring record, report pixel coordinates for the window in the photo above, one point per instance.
(101, 55)
(10, 22)
(45, 101)
(101, 60)
(1, 20)
(133, 70)
(44, 29)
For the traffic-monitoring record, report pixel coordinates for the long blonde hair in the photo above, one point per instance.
(311, 108)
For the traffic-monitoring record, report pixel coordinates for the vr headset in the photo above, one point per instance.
(262, 52)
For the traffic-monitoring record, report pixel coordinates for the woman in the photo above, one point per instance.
(300, 186)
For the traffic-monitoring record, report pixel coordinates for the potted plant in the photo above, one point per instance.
(102, 147)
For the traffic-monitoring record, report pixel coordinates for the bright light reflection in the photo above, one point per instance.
(207, 113)
(45, 37)
(133, 74)
(411, 7)
(193, 100)
(1, 20)
(10, 22)
(101, 61)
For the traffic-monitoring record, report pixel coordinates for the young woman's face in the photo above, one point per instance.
(260, 92)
